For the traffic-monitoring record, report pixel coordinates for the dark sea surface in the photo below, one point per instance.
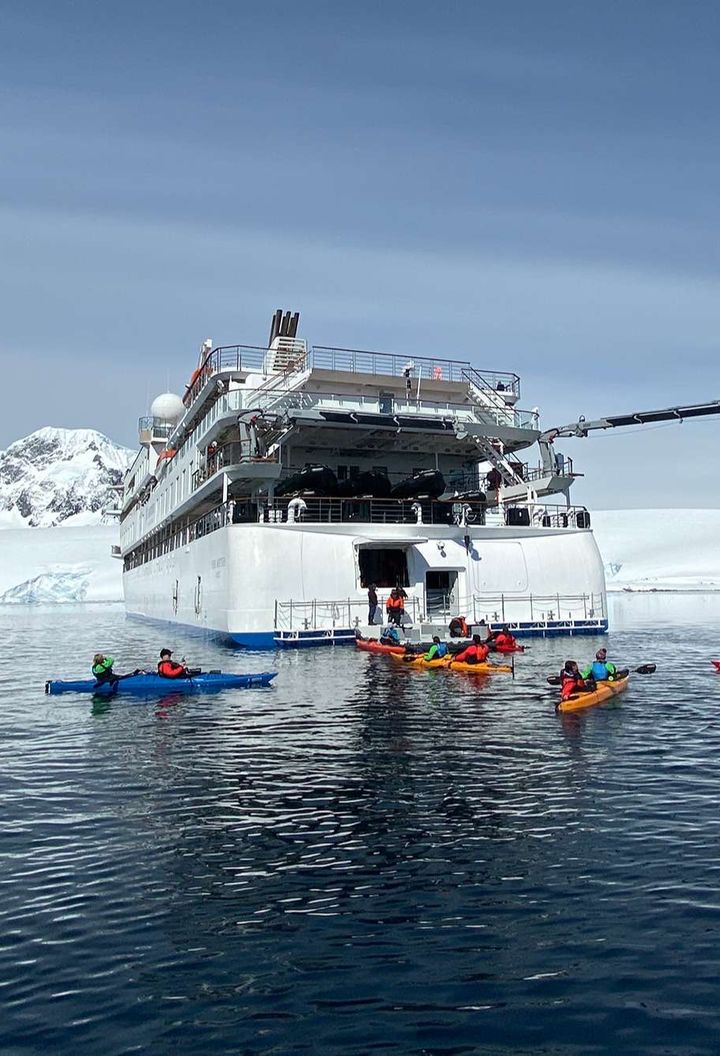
(362, 858)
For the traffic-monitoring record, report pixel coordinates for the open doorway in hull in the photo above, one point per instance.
(440, 592)
(385, 567)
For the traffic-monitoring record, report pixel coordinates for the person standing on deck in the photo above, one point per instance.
(395, 607)
(372, 603)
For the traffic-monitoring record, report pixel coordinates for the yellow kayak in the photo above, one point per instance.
(453, 665)
(417, 661)
(605, 691)
(481, 669)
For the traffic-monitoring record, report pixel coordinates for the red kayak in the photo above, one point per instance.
(372, 645)
(716, 664)
(509, 649)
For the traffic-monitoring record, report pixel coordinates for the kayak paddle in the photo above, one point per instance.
(644, 669)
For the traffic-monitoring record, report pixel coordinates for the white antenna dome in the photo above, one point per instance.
(168, 406)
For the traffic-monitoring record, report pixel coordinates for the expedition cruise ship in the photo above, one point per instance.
(288, 479)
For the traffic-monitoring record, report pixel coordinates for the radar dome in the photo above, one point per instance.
(168, 406)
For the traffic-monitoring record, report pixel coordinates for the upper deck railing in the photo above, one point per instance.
(353, 361)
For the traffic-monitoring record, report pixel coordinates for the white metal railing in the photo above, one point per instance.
(320, 614)
(493, 609)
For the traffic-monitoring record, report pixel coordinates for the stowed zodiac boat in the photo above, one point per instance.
(288, 479)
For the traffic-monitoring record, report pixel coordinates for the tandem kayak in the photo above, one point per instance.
(154, 685)
(453, 665)
(605, 691)
(372, 645)
(480, 669)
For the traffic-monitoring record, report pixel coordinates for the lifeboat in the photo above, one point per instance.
(430, 484)
(365, 485)
(312, 480)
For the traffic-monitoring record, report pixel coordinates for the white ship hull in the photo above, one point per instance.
(255, 583)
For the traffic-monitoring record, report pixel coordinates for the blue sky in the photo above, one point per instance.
(533, 186)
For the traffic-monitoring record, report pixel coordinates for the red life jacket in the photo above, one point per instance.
(169, 669)
(504, 642)
(394, 603)
(476, 653)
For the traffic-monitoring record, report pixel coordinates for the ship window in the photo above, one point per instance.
(342, 473)
(384, 568)
(382, 470)
(386, 403)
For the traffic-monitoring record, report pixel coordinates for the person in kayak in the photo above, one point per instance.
(475, 653)
(167, 668)
(502, 641)
(571, 681)
(390, 635)
(436, 651)
(102, 669)
(601, 670)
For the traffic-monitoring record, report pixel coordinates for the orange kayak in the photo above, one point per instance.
(605, 691)
(372, 645)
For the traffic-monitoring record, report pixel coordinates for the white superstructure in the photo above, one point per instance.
(288, 479)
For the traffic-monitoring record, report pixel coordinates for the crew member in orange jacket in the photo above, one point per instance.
(395, 607)
(167, 668)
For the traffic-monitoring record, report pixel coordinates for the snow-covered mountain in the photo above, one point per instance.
(59, 476)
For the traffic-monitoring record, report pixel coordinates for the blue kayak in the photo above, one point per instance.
(155, 685)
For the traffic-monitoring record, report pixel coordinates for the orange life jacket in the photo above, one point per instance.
(394, 603)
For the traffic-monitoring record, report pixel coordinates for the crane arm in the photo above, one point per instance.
(667, 414)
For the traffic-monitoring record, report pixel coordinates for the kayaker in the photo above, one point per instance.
(102, 669)
(502, 640)
(390, 636)
(436, 651)
(601, 670)
(571, 680)
(167, 668)
(459, 627)
(475, 653)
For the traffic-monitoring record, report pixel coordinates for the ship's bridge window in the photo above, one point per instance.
(383, 567)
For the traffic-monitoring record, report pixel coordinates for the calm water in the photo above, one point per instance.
(363, 858)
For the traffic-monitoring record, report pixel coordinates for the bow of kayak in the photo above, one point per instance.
(716, 664)
(152, 685)
(605, 691)
(372, 645)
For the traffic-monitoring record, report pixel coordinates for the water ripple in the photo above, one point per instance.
(362, 858)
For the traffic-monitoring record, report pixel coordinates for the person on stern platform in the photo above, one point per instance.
(395, 606)
(390, 636)
(601, 670)
(372, 603)
(102, 669)
(436, 651)
(167, 668)
(571, 680)
(475, 653)
(502, 640)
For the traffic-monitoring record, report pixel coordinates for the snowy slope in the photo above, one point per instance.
(59, 476)
(659, 549)
(55, 565)
(642, 550)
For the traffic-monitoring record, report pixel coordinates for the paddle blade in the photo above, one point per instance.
(646, 669)
(553, 680)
